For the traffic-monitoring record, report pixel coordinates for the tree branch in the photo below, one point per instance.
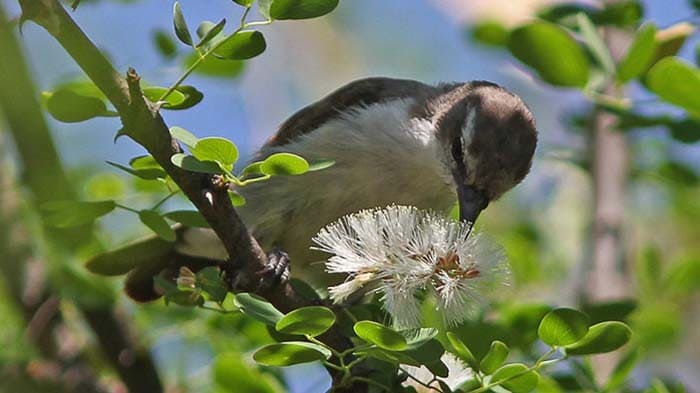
(143, 123)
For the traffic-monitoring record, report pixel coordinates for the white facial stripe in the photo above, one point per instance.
(467, 136)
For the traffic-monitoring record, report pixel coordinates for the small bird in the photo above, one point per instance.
(394, 141)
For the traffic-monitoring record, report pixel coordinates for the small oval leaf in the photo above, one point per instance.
(563, 326)
(525, 382)
(301, 9)
(380, 335)
(236, 198)
(284, 164)
(192, 98)
(207, 31)
(462, 351)
(232, 373)
(64, 214)
(551, 52)
(216, 149)
(602, 337)
(310, 321)
(192, 164)
(677, 82)
(187, 138)
(153, 93)
(181, 30)
(494, 358)
(639, 55)
(258, 308)
(290, 353)
(70, 107)
(157, 224)
(242, 45)
(191, 218)
(214, 67)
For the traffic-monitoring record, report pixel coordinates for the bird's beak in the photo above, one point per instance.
(471, 203)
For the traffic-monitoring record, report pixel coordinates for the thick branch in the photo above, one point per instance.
(142, 122)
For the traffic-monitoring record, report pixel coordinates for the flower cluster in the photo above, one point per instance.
(405, 253)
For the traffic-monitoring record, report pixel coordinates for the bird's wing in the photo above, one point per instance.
(360, 92)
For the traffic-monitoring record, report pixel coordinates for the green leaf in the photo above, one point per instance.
(425, 352)
(252, 169)
(211, 66)
(236, 198)
(105, 185)
(596, 44)
(192, 98)
(207, 31)
(551, 52)
(64, 214)
(243, 45)
(670, 40)
(146, 173)
(301, 9)
(490, 33)
(191, 163)
(165, 45)
(563, 326)
(264, 8)
(601, 338)
(244, 3)
(494, 358)
(310, 321)
(211, 282)
(291, 353)
(682, 278)
(258, 308)
(380, 335)
(462, 351)
(216, 149)
(154, 93)
(416, 338)
(190, 218)
(620, 13)
(184, 297)
(157, 224)
(388, 356)
(71, 107)
(187, 138)
(639, 55)
(320, 165)
(181, 30)
(144, 162)
(677, 82)
(284, 164)
(525, 382)
(232, 373)
(685, 130)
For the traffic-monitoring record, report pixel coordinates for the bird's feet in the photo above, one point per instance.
(276, 271)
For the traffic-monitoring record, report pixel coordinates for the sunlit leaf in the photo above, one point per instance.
(70, 107)
(320, 165)
(490, 33)
(677, 82)
(242, 45)
(380, 335)
(494, 358)
(154, 94)
(208, 30)
(551, 52)
(236, 198)
(258, 308)
(244, 3)
(639, 55)
(105, 186)
(311, 321)
(192, 98)
(290, 353)
(216, 149)
(601, 338)
(301, 9)
(157, 224)
(284, 164)
(211, 66)
(165, 44)
(563, 326)
(184, 136)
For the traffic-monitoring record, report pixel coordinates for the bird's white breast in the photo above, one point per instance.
(382, 156)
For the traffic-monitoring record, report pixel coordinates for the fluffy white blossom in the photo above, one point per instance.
(405, 253)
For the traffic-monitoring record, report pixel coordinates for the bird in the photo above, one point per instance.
(392, 141)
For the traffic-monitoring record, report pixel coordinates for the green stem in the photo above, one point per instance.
(162, 201)
(542, 361)
(127, 208)
(333, 351)
(253, 180)
(211, 50)
(418, 381)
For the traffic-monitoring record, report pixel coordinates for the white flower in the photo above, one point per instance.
(457, 374)
(405, 253)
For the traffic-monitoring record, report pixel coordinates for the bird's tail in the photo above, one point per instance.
(145, 259)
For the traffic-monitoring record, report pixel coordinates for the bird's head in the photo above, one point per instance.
(488, 137)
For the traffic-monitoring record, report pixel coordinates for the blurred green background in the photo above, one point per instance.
(544, 224)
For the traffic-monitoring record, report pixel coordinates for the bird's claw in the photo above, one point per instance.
(276, 271)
